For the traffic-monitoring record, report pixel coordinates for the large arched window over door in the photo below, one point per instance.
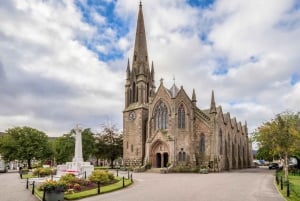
(161, 116)
(202, 143)
(181, 117)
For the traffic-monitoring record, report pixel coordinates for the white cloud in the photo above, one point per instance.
(98, 18)
(41, 39)
(47, 64)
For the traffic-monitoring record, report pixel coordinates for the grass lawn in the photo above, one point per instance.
(29, 175)
(294, 188)
(101, 167)
(91, 192)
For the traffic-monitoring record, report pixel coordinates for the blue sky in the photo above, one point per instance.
(63, 62)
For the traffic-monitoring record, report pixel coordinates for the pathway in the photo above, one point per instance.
(12, 188)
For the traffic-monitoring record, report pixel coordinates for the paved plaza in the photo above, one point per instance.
(241, 185)
(246, 185)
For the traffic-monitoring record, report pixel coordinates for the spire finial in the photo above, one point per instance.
(174, 78)
(194, 96)
(140, 3)
(213, 109)
(161, 81)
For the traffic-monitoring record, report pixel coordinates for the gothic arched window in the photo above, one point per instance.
(161, 116)
(181, 117)
(202, 143)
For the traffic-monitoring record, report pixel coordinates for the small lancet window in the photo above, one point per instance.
(181, 117)
(181, 155)
(202, 143)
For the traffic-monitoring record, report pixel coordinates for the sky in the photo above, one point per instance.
(63, 62)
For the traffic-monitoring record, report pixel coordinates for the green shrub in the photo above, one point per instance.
(68, 179)
(24, 171)
(42, 172)
(102, 176)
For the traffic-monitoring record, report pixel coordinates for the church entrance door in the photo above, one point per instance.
(166, 159)
(158, 160)
(159, 154)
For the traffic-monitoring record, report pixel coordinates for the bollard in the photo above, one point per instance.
(98, 187)
(84, 174)
(32, 188)
(27, 181)
(277, 180)
(131, 177)
(44, 195)
(288, 189)
(117, 173)
(123, 182)
(128, 174)
(281, 183)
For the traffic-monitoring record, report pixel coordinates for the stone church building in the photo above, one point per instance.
(164, 126)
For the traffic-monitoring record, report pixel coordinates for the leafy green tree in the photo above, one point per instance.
(64, 147)
(281, 136)
(264, 153)
(100, 149)
(109, 144)
(25, 143)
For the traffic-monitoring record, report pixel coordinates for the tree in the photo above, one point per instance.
(109, 144)
(100, 149)
(265, 153)
(25, 143)
(281, 136)
(64, 147)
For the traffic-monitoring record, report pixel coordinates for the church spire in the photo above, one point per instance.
(213, 109)
(140, 55)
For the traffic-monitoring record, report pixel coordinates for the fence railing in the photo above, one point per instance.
(288, 186)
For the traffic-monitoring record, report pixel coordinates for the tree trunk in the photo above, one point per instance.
(112, 163)
(29, 163)
(286, 167)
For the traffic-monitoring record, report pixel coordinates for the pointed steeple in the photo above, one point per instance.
(139, 79)
(194, 100)
(140, 55)
(213, 109)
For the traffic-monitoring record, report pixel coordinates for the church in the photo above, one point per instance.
(163, 126)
